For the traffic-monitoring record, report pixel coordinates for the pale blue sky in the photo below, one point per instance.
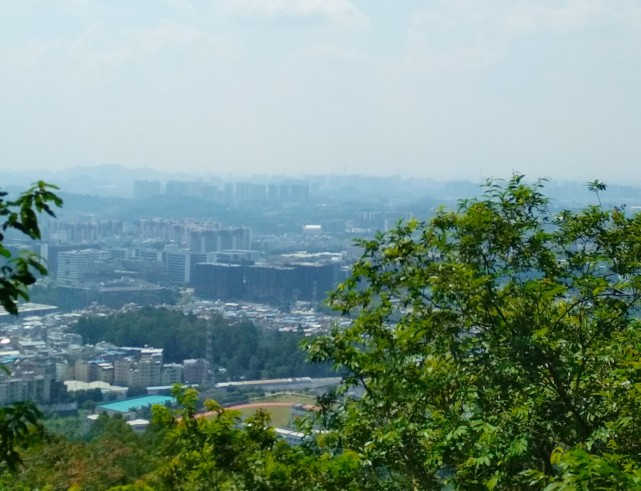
(440, 88)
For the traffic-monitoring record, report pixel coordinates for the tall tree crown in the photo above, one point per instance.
(496, 345)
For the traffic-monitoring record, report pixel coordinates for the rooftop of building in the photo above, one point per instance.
(292, 380)
(75, 385)
(132, 404)
(27, 307)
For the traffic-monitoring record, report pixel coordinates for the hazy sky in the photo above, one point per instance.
(440, 88)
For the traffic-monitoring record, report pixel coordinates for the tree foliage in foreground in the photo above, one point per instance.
(218, 453)
(181, 451)
(498, 347)
(21, 214)
(18, 422)
(109, 455)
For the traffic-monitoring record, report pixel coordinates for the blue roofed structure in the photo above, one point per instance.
(128, 407)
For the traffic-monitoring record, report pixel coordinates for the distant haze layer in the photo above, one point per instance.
(444, 89)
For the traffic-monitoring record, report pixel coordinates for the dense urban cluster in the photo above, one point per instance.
(53, 354)
(213, 264)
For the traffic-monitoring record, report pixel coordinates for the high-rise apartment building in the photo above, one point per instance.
(146, 189)
(74, 265)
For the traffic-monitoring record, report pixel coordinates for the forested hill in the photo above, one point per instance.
(244, 349)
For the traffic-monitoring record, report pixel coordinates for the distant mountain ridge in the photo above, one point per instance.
(97, 180)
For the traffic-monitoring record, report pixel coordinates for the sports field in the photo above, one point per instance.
(279, 407)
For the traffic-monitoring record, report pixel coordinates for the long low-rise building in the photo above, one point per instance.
(282, 383)
(27, 310)
(270, 283)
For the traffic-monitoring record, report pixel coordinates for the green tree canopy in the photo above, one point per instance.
(110, 454)
(218, 453)
(18, 422)
(496, 346)
(21, 214)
